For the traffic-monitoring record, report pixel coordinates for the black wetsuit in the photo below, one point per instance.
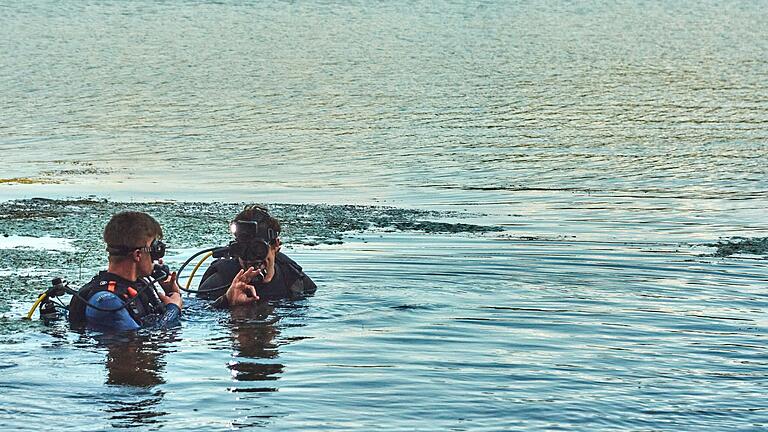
(289, 280)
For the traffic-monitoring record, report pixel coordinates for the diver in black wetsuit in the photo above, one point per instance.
(257, 269)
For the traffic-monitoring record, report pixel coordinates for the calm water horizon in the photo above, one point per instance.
(520, 215)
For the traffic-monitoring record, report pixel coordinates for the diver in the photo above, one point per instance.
(124, 297)
(255, 268)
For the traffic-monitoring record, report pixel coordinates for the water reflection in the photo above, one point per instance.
(135, 364)
(254, 337)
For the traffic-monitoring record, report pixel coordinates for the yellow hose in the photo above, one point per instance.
(205, 257)
(34, 306)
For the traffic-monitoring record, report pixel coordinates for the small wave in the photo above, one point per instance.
(712, 193)
(406, 307)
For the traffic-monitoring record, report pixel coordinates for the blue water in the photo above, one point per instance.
(603, 147)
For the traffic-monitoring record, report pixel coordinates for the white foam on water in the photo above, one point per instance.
(38, 243)
(26, 272)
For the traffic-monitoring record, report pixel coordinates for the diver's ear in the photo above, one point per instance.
(136, 255)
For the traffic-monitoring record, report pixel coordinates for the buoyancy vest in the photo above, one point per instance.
(287, 272)
(141, 300)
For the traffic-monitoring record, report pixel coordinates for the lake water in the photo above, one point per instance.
(521, 215)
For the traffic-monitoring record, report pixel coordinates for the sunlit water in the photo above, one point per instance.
(580, 161)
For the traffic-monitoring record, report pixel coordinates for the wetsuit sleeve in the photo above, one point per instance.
(170, 317)
(115, 317)
(221, 302)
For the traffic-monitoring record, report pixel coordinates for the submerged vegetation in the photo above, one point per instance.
(185, 225)
(741, 245)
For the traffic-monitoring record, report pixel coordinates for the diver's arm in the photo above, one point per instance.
(173, 304)
(116, 317)
(221, 303)
(169, 318)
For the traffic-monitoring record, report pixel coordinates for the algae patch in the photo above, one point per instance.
(27, 180)
(741, 245)
(196, 224)
(44, 238)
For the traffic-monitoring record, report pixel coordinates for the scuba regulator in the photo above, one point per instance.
(50, 310)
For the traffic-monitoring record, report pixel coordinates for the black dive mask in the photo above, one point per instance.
(249, 251)
(252, 237)
(156, 249)
(246, 230)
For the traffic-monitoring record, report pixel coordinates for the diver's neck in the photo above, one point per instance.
(126, 270)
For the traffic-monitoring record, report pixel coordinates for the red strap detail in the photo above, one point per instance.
(111, 286)
(132, 292)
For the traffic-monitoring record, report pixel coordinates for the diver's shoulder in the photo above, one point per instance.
(105, 299)
(225, 264)
(299, 283)
(283, 259)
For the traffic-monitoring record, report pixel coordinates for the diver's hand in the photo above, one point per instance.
(173, 297)
(240, 291)
(170, 284)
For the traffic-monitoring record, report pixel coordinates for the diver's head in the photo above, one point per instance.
(133, 238)
(257, 239)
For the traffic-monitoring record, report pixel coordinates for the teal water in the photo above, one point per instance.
(564, 186)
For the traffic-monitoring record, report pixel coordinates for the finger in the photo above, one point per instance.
(248, 275)
(251, 291)
(238, 278)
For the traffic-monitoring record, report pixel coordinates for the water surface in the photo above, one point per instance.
(521, 215)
